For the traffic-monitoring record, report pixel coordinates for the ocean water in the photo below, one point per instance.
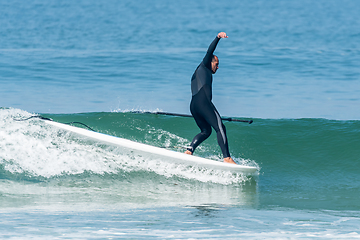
(291, 66)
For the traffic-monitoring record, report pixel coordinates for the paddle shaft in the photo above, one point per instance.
(186, 115)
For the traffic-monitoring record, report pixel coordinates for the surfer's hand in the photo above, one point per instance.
(222, 35)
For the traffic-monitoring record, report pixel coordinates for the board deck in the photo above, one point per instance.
(159, 153)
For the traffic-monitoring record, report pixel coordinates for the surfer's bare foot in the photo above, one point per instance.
(229, 160)
(188, 152)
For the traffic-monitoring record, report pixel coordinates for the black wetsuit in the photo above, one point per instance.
(201, 107)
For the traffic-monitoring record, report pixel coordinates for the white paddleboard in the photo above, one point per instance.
(158, 153)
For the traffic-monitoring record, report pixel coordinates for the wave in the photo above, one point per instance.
(290, 148)
(34, 151)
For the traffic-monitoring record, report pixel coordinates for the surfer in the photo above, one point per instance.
(201, 107)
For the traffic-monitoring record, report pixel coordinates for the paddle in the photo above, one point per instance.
(186, 115)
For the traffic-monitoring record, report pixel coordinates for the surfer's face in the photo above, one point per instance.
(215, 64)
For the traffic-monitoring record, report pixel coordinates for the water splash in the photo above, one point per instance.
(36, 149)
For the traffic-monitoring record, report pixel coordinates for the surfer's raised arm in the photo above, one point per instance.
(209, 57)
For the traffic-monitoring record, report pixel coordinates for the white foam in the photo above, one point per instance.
(38, 149)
